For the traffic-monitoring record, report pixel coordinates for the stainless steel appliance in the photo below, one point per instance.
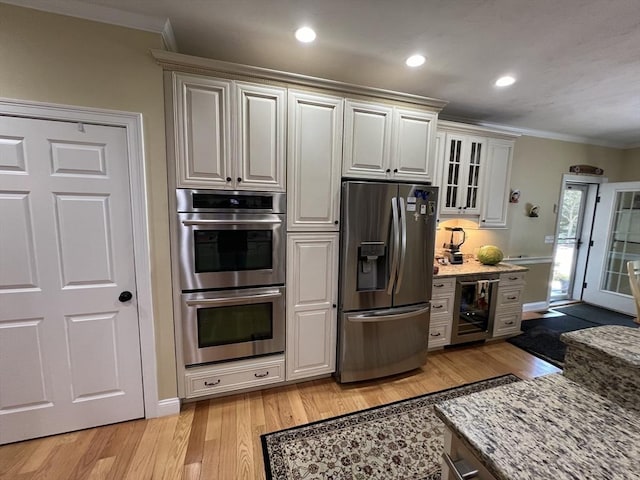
(231, 239)
(452, 249)
(474, 307)
(232, 324)
(386, 267)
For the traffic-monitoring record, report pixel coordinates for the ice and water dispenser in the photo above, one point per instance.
(372, 266)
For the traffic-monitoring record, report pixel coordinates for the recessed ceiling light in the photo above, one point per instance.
(305, 35)
(505, 81)
(415, 60)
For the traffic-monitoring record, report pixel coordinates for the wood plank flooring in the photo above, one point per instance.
(219, 439)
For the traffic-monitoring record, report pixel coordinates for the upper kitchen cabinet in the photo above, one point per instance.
(386, 142)
(474, 173)
(313, 162)
(229, 135)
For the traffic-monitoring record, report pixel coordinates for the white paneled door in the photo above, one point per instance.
(69, 341)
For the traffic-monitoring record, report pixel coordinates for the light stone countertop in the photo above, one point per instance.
(471, 267)
(547, 428)
(620, 342)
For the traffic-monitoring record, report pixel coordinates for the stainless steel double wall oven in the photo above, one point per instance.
(232, 248)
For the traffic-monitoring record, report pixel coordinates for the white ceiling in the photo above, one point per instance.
(577, 61)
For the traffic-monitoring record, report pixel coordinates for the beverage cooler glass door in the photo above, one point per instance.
(474, 310)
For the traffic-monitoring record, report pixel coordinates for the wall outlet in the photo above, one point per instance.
(549, 238)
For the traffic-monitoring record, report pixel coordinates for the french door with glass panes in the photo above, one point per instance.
(616, 240)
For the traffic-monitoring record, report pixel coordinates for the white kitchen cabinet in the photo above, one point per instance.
(312, 294)
(229, 135)
(385, 142)
(474, 172)
(464, 166)
(496, 190)
(508, 313)
(313, 161)
(442, 301)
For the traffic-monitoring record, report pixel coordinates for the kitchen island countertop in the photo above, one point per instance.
(472, 267)
(547, 428)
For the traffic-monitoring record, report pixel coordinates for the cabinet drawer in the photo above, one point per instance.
(443, 286)
(507, 322)
(441, 307)
(209, 381)
(508, 279)
(509, 296)
(439, 334)
(457, 451)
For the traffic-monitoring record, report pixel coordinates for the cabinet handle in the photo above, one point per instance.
(239, 179)
(334, 306)
(435, 334)
(456, 465)
(388, 170)
(261, 375)
(483, 220)
(437, 306)
(513, 278)
(228, 179)
(512, 298)
(510, 322)
(439, 285)
(395, 170)
(335, 222)
(459, 208)
(211, 384)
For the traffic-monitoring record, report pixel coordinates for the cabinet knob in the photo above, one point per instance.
(395, 170)
(336, 222)
(388, 170)
(334, 306)
(483, 220)
(228, 179)
(239, 179)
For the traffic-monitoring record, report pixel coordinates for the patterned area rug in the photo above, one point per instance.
(400, 441)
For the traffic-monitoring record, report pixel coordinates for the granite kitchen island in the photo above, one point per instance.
(552, 427)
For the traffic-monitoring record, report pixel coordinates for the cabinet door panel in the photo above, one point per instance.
(475, 159)
(203, 119)
(496, 189)
(451, 189)
(367, 140)
(414, 146)
(314, 160)
(261, 137)
(312, 277)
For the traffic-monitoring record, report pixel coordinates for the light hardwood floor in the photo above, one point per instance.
(219, 439)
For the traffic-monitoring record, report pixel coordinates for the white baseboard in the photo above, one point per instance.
(535, 307)
(168, 406)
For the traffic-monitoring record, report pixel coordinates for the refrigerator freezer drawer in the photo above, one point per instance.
(382, 342)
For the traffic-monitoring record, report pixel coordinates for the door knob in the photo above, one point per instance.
(125, 296)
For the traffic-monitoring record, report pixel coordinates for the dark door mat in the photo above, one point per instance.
(541, 337)
(598, 315)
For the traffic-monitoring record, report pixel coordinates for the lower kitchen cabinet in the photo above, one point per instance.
(508, 315)
(312, 292)
(442, 299)
(459, 462)
(228, 377)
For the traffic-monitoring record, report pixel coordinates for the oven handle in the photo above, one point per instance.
(234, 300)
(229, 222)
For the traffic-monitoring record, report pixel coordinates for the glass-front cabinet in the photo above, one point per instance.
(464, 163)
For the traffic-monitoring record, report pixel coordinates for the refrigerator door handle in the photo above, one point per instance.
(403, 249)
(396, 244)
(388, 315)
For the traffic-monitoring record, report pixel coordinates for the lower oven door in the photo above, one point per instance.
(232, 324)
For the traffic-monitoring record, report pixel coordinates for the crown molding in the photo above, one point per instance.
(100, 13)
(529, 132)
(190, 63)
(476, 129)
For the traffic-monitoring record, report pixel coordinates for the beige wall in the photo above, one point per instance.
(538, 166)
(58, 59)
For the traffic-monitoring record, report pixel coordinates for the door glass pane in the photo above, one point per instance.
(453, 173)
(569, 231)
(474, 307)
(624, 243)
(232, 250)
(234, 324)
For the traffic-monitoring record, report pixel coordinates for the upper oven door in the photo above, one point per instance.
(231, 250)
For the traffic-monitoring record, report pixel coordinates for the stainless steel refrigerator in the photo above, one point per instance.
(386, 267)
